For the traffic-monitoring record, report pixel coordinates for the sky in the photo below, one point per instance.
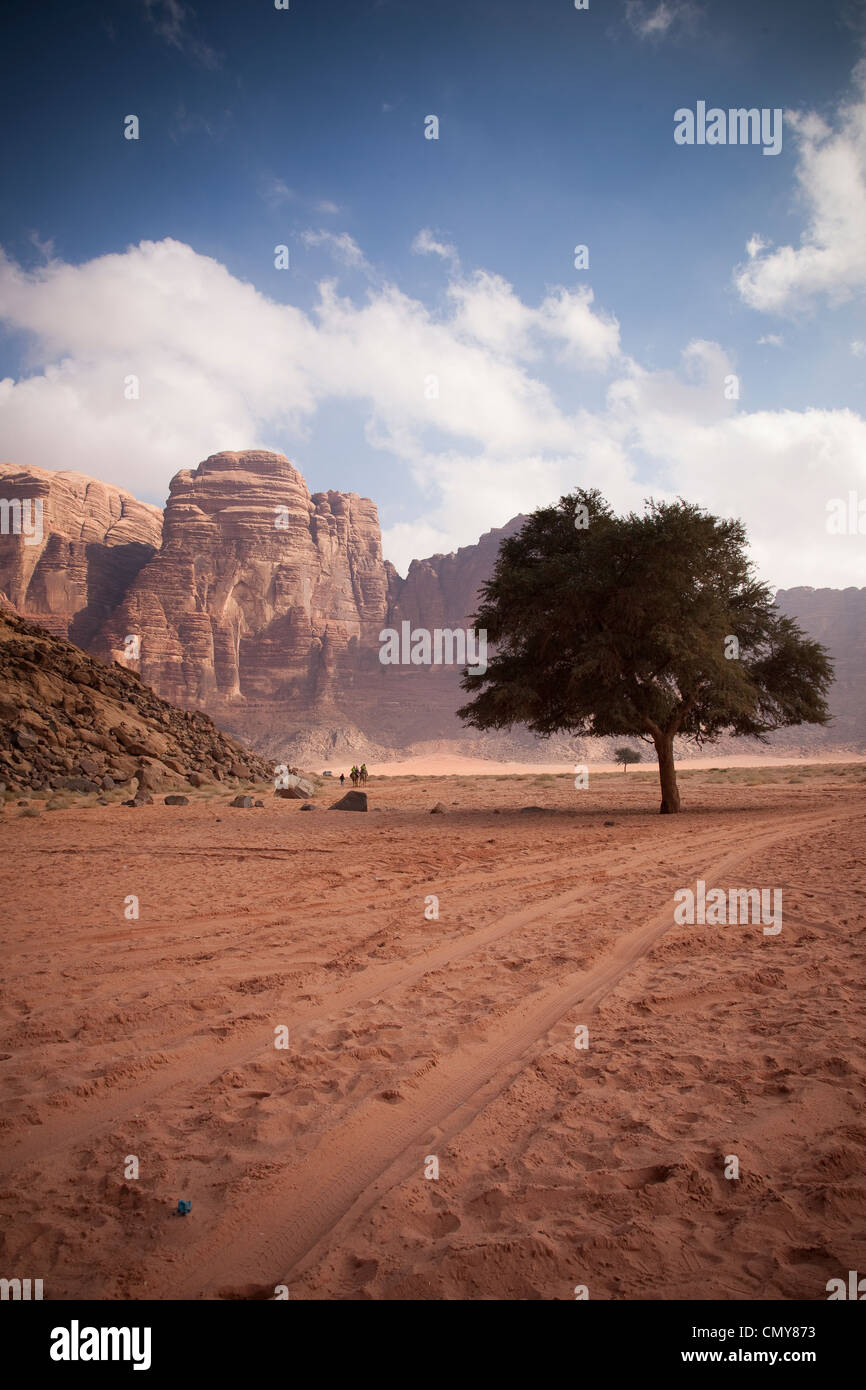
(431, 342)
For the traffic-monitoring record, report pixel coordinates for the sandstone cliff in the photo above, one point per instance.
(416, 705)
(444, 590)
(837, 619)
(263, 606)
(263, 603)
(94, 539)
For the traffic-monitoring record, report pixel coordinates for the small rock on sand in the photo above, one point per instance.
(352, 801)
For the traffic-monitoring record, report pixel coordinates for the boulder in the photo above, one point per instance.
(79, 784)
(177, 801)
(143, 748)
(242, 801)
(121, 769)
(439, 809)
(352, 801)
(296, 788)
(150, 776)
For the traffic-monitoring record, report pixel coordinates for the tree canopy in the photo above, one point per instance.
(649, 624)
(626, 756)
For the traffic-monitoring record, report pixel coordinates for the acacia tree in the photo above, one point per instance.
(650, 625)
(626, 756)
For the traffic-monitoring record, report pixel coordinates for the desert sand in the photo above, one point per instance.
(451, 765)
(412, 1039)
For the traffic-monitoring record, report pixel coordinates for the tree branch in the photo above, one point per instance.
(685, 710)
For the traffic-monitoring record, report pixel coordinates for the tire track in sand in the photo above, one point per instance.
(203, 1060)
(375, 1147)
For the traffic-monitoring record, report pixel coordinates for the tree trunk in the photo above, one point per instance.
(667, 775)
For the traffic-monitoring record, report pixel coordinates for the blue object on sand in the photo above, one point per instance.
(183, 1207)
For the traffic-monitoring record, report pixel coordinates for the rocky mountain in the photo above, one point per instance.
(263, 604)
(837, 619)
(87, 541)
(69, 722)
(443, 591)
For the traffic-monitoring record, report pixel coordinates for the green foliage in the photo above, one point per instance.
(626, 756)
(621, 628)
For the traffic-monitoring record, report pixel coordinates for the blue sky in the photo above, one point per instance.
(451, 257)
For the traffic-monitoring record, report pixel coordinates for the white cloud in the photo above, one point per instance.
(585, 337)
(831, 179)
(656, 21)
(340, 245)
(771, 340)
(425, 244)
(221, 366)
(858, 348)
(45, 248)
(170, 19)
(775, 469)
(755, 245)
(490, 313)
(277, 191)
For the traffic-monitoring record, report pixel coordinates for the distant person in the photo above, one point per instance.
(342, 779)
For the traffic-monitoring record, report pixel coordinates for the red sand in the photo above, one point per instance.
(446, 765)
(453, 1038)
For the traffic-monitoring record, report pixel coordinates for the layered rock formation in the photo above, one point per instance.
(262, 597)
(77, 564)
(837, 619)
(443, 592)
(263, 605)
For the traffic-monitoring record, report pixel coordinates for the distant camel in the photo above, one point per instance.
(363, 774)
(355, 776)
